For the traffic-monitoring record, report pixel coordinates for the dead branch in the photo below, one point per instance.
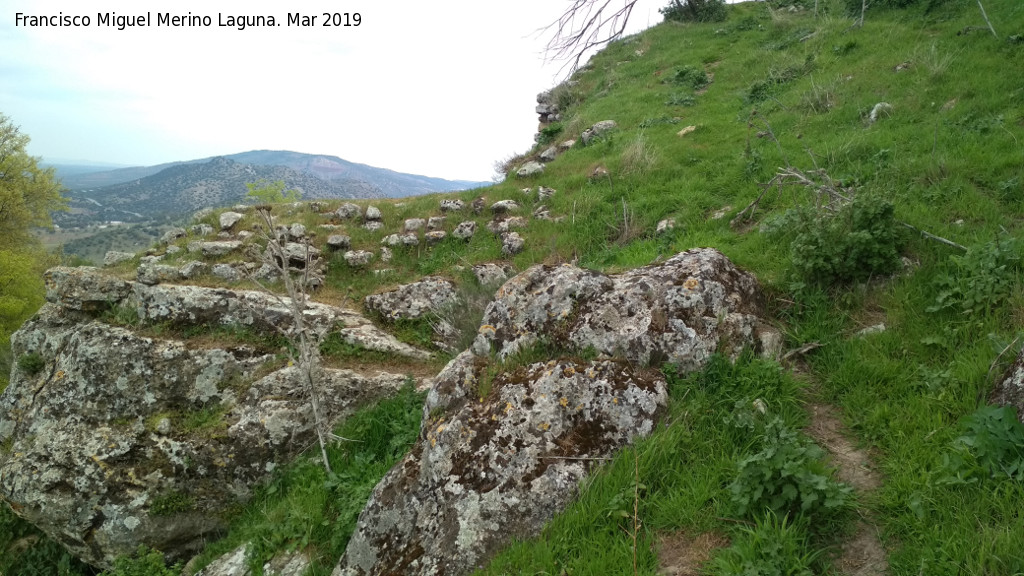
(985, 16)
(586, 25)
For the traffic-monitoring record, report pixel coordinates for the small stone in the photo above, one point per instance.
(544, 193)
(226, 272)
(358, 258)
(435, 236)
(512, 243)
(876, 329)
(173, 249)
(172, 235)
(665, 225)
(596, 130)
(410, 239)
(213, 249)
(451, 205)
(385, 254)
(878, 110)
(152, 274)
(465, 230)
(229, 219)
(567, 144)
(491, 274)
(391, 240)
(549, 154)
(530, 169)
(338, 242)
(192, 269)
(372, 213)
(113, 257)
(244, 235)
(503, 206)
(686, 131)
(500, 226)
(164, 426)
(296, 231)
(478, 205)
(414, 224)
(373, 225)
(348, 210)
(435, 222)
(201, 230)
(720, 213)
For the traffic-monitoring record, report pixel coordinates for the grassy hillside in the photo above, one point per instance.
(769, 91)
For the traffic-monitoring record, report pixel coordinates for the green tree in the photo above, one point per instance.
(267, 192)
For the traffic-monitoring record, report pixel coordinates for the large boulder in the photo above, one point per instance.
(412, 301)
(503, 449)
(110, 439)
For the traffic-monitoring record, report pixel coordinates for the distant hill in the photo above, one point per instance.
(184, 188)
(330, 168)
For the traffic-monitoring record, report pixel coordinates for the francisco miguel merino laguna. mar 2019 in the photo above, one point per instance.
(240, 22)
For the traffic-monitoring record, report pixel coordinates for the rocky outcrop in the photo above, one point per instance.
(112, 438)
(1009, 390)
(412, 301)
(503, 447)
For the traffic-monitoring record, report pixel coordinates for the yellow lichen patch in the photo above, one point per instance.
(440, 429)
(60, 375)
(544, 426)
(615, 400)
(564, 401)
(487, 329)
(691, 283)
(568, 371)
(508, 407)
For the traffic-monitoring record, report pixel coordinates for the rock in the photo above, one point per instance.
(201, 230)
(544, 193)
(84, 288)
(876, 329)
(172, 235)
(88, 459)
(504, 206)
(412, 301)
(391, 240)
(478, 205)
(229, 219)
(385, 255)
(192, 269)
(1009, 390)
(878, 110)
(113, 257)
(358, 258)
(298, 254)
(436, 222)
(549, 155)
(226, 272)
(173, 249)
(296, 232)
(451, 205)
(412, 224)
(465, 230)
(348, 210)
(665, 225)
(373, 225)
(235, 563)
(200, 214)
(680, 311)
(720, 213)
(338, 242)
(512, 243)
(567, 144)
(487, 472)
(530, 169)
(686, 131)
(501, 226)
(156, 273)
(372, 213)
(596, 130)
(492, 274)
(435, 236)
(219, 248)
(410, 239)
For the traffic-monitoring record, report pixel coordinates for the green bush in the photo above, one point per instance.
(692, 76)
(32, 363)
(991, 446)
(695, 11)
(146, 562)
(786, 477)
(980, 280)
(548, 133)
(860, 240)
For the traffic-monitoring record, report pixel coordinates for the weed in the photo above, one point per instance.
(171, 503)
(991, 446)
(681, 99)
(695, 11)
(121, 315)
(208, 420)
(31, 363)
(639, 156)
(549, 133)
(980, 280)
(145, 562)
(691, 76)
(774, 546)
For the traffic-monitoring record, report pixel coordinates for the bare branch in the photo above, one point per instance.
(586, 25)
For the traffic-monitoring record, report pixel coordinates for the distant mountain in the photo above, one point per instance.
(330, 168)
(184, 188)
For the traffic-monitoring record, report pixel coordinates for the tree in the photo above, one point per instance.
(28, 193)
(589, 24)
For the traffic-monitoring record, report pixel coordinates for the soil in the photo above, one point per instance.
(683, 554)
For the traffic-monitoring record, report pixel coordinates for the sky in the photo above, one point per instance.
(442, 88)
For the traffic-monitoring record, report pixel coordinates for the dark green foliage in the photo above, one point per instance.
(978, 282)
(862, 239)
(24, 551)
(786, 477)
(773, 547)
(548, 133)
(146, 562)
(692, 76)
(171, 503)
(32, 363)
(677, 99)
(991, 446)
(695, 11)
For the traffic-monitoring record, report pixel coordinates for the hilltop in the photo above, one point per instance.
(870, 178)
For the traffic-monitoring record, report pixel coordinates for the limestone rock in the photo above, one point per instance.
(465, 230)
(192, 269)
(372, 213)
(385, 254)
(502, 225)
(512, 243)
(348, 210)
(492, 274)
(84, 288)
(1009, 390)
(234, 563)
(173, 249)
(435, 236)
(549, 154)
(412, 301)
(229, 219)
(486, 473)
(296, 231)
(338, 242)
(543, 192)
(503, 206)
(530, 169)
(413, 224)
(358, 258)
(226, 272)
(435, 222)
(172, 235)
(452, 205)
(596, 130)
(201, 230)
(410, 239)
(220, 248)
(156, 273)
(680, 311)
(373, 225)
(665, 225)
(113, 257)
(478, 205)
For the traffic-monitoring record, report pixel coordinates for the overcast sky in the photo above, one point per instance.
(440, 88)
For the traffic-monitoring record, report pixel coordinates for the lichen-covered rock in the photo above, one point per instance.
(503, 206)
(338, 242)
(121, 440)
(229, 219)
(372, 213)
(349, 210)
(373, 225)
(680, 311)
(492, 274)
(512, 243)
(192, 269)
(217, 248)
(465, 230)
(358, 258)
(235, 563)
(486, 473)
(410, 239)
(596, 130)
(1009, 390)
(412, 301)
(113, 257)
(435, 222)
(452, 205)
(434, 236)
(226, 272)
(529, 169)
(500, 224)
(151, 273)
(201, 229)
(412, 224)
(172, 235)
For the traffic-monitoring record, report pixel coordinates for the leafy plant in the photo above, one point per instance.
(695, 11)
(266, 192)
(547, 134)
(992, 446)
(773, 547)
(681, 99)
(785, 477)
(691, 76)
(171, 503)
(980, 280)
(32, 363)
(145, 562)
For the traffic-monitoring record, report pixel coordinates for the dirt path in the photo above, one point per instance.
(863, 553)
